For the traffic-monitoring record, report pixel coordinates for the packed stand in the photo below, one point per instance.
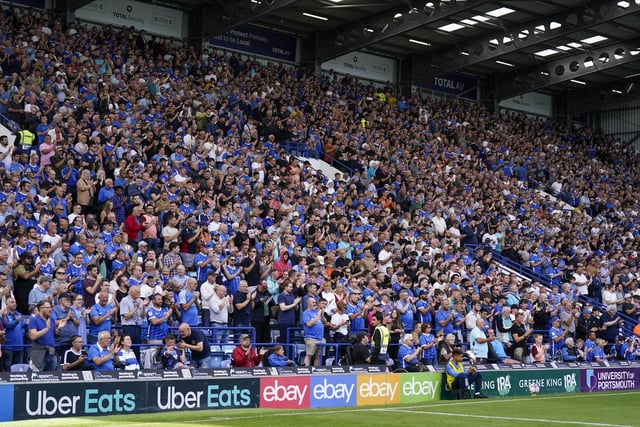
(149, 195)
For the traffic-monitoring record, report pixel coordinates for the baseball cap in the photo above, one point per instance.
(555, 319)
(65, 295)
(244, 336)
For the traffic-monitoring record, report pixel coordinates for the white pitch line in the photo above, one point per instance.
(299, 413)
(423, 406)
(496, 417)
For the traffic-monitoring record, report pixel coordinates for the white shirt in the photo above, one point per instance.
(384, 254)
(215, 314)
(206, 293)
(439, 225)
(337, 319)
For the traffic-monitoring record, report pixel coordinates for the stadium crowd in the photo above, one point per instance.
(153, 187)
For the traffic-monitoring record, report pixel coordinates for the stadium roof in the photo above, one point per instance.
(591, 48)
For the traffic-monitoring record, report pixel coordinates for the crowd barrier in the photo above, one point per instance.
(67, 394)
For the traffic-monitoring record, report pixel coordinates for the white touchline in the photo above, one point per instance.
(497, 417)
(423, 406)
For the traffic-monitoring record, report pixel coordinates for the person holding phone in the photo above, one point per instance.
(75, 358)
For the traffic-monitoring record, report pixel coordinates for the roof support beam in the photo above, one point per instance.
(496, 44)
(602, 96)
(392, 22)
(565, 69)
(231, 13)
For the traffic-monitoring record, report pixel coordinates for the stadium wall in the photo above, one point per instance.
(155, 392)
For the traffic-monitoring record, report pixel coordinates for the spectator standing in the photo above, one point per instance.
(206, 293)
(189, 300)
(220, 305)
(261, 302)
(189, 237)
(41, 333)
(14, 324)
(287, 303)
(132, 308)
(429, 346)
(520, 336)
(444, 318)
(66, 325)
(158, 317)
(556, 336)
(313, 321)
(379, 340)
(133, 226)
(251, 268)
(25, 275)
(611, 322)
(101, 316)
(479, 342)
(241, 315)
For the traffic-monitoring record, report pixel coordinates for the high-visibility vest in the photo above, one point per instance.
(384, 345)
(458, 368)
(26, 137)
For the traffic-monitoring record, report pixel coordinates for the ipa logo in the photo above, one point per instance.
(570, 383)
(504, 385)
(378, 389)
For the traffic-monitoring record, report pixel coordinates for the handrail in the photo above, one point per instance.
(628, 322)
(10, 124)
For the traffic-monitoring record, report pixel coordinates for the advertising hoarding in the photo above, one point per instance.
(258, 41)
(153, 19)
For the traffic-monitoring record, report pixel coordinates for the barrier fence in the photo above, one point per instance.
(33, 395)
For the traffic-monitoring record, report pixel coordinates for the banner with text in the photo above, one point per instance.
(78, 399)
(153, 19)
(531, 102)
(454, 83)
(258, 41)
(593, 380)
(364, 66)
(516, 383)
(420, 387)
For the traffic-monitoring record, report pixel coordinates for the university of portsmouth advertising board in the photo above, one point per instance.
(593, 380)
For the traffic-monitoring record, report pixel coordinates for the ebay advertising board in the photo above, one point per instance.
(348, 390)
